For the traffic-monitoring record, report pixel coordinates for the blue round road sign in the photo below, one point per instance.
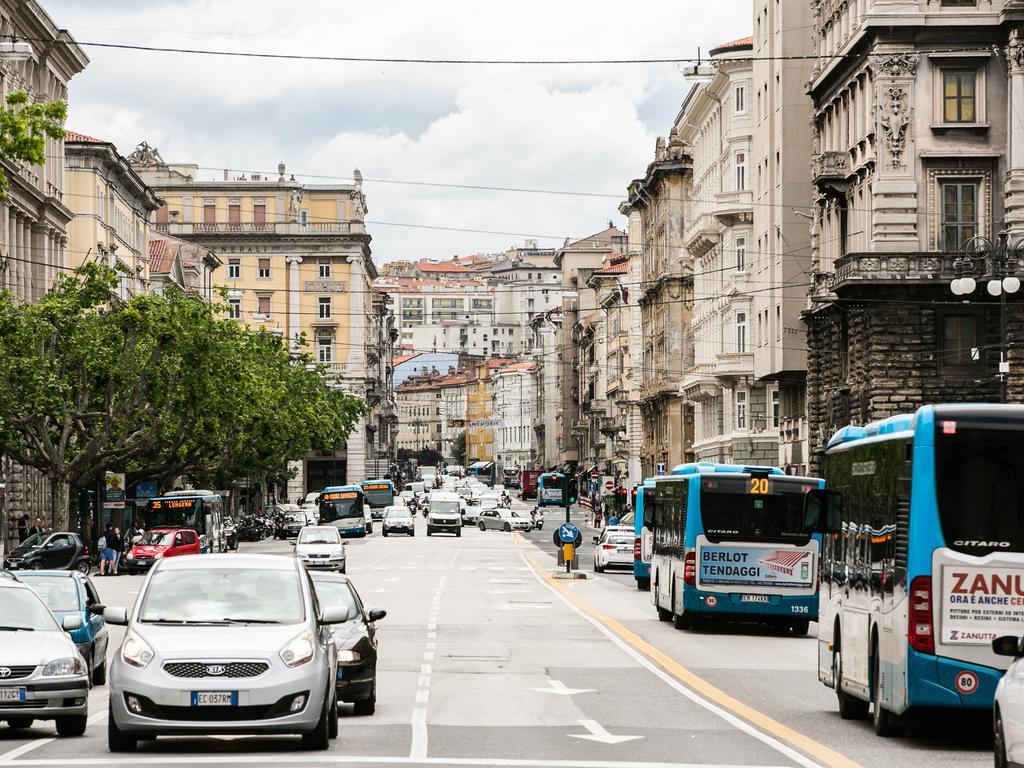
(568, 533)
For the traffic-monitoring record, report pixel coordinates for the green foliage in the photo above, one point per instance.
(161, 386)
(459, 448)
(24, 128)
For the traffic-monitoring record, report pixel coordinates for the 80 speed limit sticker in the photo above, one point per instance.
(966, 682)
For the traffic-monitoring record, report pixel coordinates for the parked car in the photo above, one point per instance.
(231, 535)
(321, 547)
(500, 519)
(224, 644)
(613, 548)
(354, 639)
(398, 520)
(60, 550)
(291, 520)
(47, 678)
(157, 544)
(312, 512)
(70, 593)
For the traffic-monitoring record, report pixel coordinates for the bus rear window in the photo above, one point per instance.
(979, 480)
(731, 512)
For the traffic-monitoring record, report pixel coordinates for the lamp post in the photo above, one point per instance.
(994, 263)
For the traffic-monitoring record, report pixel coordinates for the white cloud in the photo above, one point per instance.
(544, 127)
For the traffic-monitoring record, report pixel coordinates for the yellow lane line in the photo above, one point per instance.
(805, 744)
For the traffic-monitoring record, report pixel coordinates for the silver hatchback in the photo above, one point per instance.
(224, 644)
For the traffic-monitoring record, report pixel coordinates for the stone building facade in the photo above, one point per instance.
(913, 142)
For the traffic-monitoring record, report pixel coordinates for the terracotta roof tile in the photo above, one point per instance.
(732, 45)
(444, 266)
(404, 358)
(80, 138)
(161, 256)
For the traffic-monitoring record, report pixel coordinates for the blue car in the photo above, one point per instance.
(71, 593)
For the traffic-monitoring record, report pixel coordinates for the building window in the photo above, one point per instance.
(958, 95)
(959, 340)
(259, 213)
(959, 213)
(741, 410)
(775, 409)
(741, 98)
(209, 212)
(234, 212)
(741, 254)
(325, 269)
(324, 307)
(234, 269)
(741, 332)
(263, 306)
(325, 350)
(263, 268)
(234, 308)
(741, 171)
(959, 3)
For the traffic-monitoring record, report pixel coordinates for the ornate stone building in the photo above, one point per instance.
(915, 152)
(34, 215)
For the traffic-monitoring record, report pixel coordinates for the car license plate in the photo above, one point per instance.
(625, 550)
(12, 694)
(214, 698)
(755, 599)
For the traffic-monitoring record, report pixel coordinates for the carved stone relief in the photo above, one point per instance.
(895, 122)
(894, 65)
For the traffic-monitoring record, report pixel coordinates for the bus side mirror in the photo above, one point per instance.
(1007, 645)
(823, 511)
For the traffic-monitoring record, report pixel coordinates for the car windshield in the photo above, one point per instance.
(444, 507)
(23, 609)
(321, 535)
(394, 513)
(215, 595)
(60, 593)
(156, 539)
(620, 540)
(35, 540)
(334, 594)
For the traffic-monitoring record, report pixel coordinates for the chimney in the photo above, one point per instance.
(280, 171)
(227, 174)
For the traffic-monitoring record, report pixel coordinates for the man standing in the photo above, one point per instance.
(37, 527)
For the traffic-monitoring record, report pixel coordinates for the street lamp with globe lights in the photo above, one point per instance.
(995, 264)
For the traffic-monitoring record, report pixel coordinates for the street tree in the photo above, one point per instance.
(24, 128)
(459, 448)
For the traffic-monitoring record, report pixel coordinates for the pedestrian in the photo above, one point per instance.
(597, 517)
(22, 528)
(106, 553)
(117, 545)
(37, 527)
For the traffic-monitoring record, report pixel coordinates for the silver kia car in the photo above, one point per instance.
(224, 644)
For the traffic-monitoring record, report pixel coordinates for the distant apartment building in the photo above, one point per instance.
(514, 393)
(189, 267)
(418, 407)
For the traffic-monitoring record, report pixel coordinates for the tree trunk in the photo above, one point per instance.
(60, 502)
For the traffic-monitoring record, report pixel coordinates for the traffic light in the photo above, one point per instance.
(569, 489)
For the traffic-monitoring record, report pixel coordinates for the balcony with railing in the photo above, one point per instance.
(830, 167)
(281, 228)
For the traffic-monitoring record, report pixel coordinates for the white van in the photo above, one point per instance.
(444, 513)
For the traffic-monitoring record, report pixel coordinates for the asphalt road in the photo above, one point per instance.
(487, 661)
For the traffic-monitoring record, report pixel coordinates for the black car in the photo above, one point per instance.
(356, 641)
(59, 550)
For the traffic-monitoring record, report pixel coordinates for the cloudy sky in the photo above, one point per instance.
(581, 128)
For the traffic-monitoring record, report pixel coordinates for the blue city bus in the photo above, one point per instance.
(923, 559)
(342, 507)
(200, 511)
(730, 543)
(643, 538)
(486, 472)
(378, 495)
(549, 489)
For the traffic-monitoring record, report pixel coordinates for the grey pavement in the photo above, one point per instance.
(484, 662)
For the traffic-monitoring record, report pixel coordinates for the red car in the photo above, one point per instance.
(157, 544)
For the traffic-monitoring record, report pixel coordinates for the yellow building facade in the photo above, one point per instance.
(479, 411)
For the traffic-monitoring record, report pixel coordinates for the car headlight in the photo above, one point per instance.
(70, 665)
(135, 650)
(338, 554)
(348, 656)
(299, 649)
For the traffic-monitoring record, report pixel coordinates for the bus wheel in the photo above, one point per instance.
(644, 585)
(886, 723)
(663, 615)
(679, 620)
(800, 627)
(850, 708)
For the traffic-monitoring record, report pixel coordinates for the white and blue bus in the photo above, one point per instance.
(342, 507)
(550, 486)
(923, 559)
(643, 537)
(730, 543)
(378, 495)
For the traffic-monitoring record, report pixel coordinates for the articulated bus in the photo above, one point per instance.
(201, 511)
(378, 495)
(487, 472)
(730, 543)
(923, 559)
(549, 489)
(342, 507)
(643, 538)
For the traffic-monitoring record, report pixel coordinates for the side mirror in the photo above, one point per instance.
(71, 623)
(823, 511)
(293, 543)
(597, 539)
(97, 609)
(376, 614)
(1007, 645)
(335, 615)
(116, 616)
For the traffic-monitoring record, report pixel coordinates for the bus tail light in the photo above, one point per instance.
(690, 568)
(920, 631)
(636, 548)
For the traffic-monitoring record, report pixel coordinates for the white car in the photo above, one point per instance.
(613, 548)
(444, 513)
(1008, 715)
(319, 547)
(312, 512)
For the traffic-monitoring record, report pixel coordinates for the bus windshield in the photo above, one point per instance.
(731, 511)
(379, 493)
(174, 513)
(979, 477)
(340, 505)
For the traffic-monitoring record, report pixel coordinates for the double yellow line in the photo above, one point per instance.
(808, 746)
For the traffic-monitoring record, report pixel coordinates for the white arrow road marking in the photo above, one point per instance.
(599, 734)
(559, 688)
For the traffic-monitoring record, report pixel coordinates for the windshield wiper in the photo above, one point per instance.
(251, 621)
(182, 621)
(16, 629)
